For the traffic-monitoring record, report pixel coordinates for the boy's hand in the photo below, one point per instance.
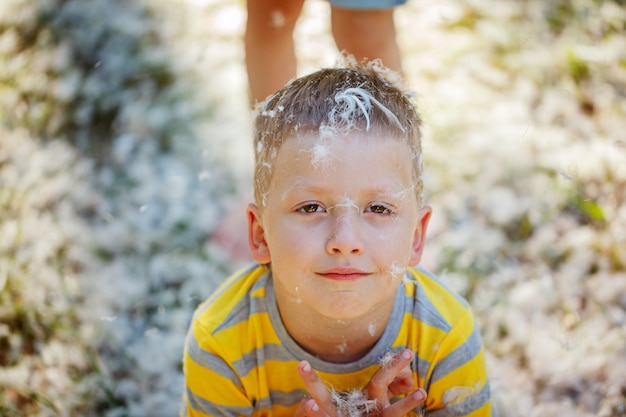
(393, 379)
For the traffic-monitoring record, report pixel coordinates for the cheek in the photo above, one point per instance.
(397, 234)
(394, 245)
(291, 242)
(396, 270)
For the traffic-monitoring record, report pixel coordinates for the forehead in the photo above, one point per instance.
(346, 160)
(343, 146)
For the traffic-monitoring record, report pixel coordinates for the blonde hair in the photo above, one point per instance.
(331, 102)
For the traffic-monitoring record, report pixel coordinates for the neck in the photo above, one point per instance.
(334, 340)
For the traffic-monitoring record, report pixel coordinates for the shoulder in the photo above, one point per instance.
(233, 301)
(433, 300)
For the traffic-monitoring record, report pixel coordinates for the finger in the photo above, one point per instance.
(404, 406)
(403, 383)
(383, 378)
(308, 408)
(301, 410)
(317, 389)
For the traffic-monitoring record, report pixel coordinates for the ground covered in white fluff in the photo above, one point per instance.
(124, 139)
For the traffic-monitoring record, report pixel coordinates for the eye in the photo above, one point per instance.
(311, 208)
(379, 209)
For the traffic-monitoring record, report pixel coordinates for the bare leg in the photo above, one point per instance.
(269, 46)
(367, 34)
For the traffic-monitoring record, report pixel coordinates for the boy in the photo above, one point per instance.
(336, 319)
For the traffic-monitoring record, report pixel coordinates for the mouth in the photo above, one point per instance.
(343, 274)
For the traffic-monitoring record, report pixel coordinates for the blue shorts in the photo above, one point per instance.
(366, 4)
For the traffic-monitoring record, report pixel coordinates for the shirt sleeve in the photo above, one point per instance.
(458, 380)
(212, 387)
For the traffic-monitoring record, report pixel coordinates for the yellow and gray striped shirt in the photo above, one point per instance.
(239, 359)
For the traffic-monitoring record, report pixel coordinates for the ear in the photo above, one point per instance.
(420, 235)
(256, 236)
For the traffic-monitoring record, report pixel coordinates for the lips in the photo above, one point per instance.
(343, 273)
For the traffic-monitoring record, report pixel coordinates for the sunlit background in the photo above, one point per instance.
(124, 149)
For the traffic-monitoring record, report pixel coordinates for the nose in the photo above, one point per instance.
(346, 236)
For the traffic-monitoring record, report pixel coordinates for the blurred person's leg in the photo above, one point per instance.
(367, 34)
(269, 45)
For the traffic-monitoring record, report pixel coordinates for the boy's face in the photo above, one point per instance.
(340, 224)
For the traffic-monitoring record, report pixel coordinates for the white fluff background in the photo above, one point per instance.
(125, 141)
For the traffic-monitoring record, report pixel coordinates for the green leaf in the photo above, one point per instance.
(590, 208)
